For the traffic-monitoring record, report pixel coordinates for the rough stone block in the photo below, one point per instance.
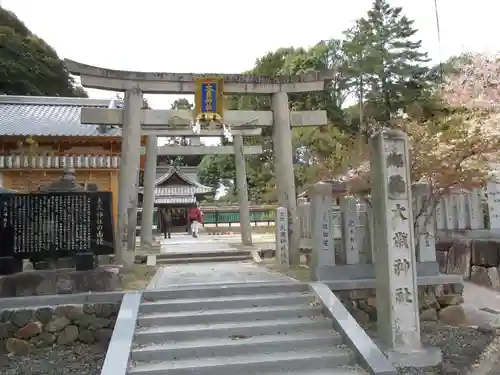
(429, 315)
(457, 259)
(452, 315)
(68, 335)
(450, 299)
(485, 253)
(61, 281)
(493, 276)
(362, 303)
(17, 346)
(29, 330)
(479, 275)
(21, 330)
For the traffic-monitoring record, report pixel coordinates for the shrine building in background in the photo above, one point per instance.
(40, 136)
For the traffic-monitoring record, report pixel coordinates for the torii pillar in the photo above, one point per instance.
(285, 177)
(129, 170)
(149, 191)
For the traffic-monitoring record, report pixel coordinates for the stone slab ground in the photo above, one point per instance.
(214, 273)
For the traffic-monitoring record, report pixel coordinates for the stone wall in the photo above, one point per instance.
(436, 302)
(59, 281)
(24, 329)
(476, 260)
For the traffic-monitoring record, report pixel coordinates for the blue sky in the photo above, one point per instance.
(174, 36)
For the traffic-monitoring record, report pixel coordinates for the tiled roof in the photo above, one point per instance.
(190, 172)
(189, 180)
(31, 115)
(171, 191)
(175, 200)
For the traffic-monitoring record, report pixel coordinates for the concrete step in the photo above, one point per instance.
(149, 335)
(340, 370)
(225, 290)
(229, 302)
(235, 345)
(249, 363)
(228, 315)
(202, 254)
(188, 259)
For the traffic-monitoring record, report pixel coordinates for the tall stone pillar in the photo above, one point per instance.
(149, 191)
(396, 273)
(129, 167)
(323, 243)
(285, 180)
(242, 190)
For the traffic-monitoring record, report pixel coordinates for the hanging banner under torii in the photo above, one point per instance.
(209, 98)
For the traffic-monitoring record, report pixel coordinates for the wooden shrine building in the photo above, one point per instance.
(177, 189)
(39, 136)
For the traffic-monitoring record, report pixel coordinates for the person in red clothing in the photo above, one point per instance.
(196, 218)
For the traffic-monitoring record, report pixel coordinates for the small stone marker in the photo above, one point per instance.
(350, 224)
(493, 191)
(322, 225)
(475, 210)
(151, 260)
(450, 217)
(440, 215)
(282, 236)
(461, 211)
(426, 223)
(397, 295)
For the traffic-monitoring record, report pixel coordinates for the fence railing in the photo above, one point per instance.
(221, 217)
(351, 221)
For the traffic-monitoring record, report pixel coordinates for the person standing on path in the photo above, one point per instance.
(196, 219)
(167, 223)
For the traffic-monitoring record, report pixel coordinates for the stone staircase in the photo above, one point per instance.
(240, 329)
(203, 257)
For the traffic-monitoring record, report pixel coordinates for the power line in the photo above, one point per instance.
(436, 11)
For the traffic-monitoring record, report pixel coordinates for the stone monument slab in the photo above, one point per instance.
(397, 294)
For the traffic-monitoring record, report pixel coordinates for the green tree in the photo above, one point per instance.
(377, 62)
(392, 64)
(308, 143)
(28, 65)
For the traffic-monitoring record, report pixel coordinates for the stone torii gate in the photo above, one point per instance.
(133, 119)
(172, 123)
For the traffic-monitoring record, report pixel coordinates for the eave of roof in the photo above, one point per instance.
(50, 116)
(182, 176)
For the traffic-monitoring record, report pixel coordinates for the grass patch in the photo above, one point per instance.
(240, 246)
(147, 249)
(301, 272)
(138, 277)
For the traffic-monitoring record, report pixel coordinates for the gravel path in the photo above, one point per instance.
(461, 347)
(79, 359)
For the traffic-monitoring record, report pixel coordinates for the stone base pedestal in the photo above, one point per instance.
(354, 272)
(129, 259)
(154, 248)
(420, 357)
(59, 281)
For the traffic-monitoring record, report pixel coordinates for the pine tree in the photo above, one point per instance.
(394, 67)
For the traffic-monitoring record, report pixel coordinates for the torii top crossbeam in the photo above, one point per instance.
(184, 83)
